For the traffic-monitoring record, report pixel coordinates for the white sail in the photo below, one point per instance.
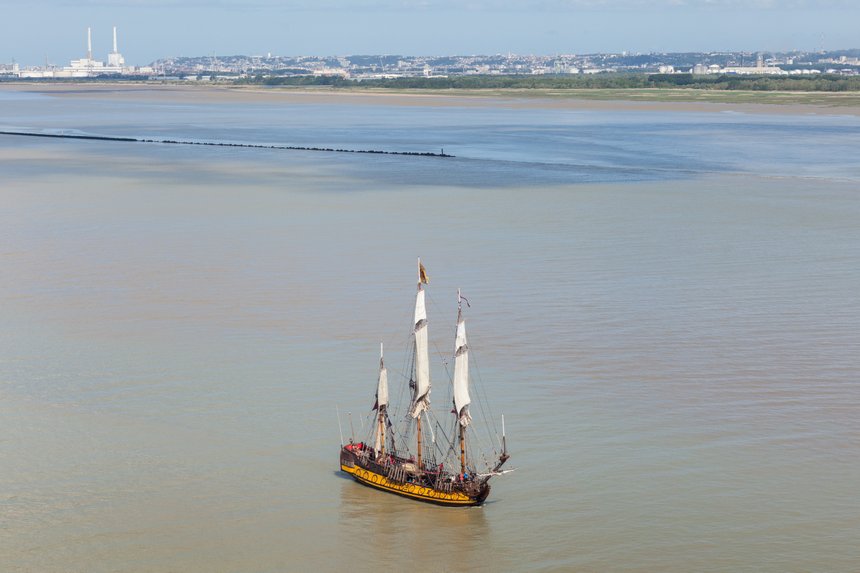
(461, 374)
(382, 386)
(421, 398)
(381, 404)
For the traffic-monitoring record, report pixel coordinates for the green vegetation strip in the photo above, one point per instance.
(725, 82)
(820, 90)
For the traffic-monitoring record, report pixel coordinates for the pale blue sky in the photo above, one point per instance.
(152, 29)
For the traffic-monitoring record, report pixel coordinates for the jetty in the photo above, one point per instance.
(221, 144)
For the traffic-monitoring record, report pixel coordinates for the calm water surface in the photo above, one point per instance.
(664, 305)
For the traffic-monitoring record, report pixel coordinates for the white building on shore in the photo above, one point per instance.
(758, 70)
(9, 69)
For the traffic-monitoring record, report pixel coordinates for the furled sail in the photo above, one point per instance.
(421, 397)
(461, 374)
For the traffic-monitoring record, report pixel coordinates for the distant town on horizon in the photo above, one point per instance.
(374, 67)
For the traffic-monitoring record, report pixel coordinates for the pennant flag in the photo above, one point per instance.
(422, 273)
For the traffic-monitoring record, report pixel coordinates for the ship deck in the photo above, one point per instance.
(373, 475)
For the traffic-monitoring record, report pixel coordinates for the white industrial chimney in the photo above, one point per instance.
(89, 44)
(115, 59)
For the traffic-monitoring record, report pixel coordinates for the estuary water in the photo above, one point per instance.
(664, 306)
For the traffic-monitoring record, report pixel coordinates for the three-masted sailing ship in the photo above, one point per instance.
(400, 457)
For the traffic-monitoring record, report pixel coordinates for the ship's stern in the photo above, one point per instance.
(347, 459)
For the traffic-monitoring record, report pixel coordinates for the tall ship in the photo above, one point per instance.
(415, 454)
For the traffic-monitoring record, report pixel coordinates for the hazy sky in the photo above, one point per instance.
(31, 30)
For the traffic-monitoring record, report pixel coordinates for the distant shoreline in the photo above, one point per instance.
(635, 99)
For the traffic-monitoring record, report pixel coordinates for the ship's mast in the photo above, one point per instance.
(462, 450)
(418, 419)
(418, 433)
(381, 430)
(461, 426)
(421, 375)
(381, 405)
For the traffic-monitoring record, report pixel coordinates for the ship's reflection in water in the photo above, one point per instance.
(406, 531)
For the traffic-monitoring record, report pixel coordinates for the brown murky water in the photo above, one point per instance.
(677, 361)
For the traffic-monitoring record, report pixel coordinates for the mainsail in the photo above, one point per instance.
(461, 372)
(421, 397)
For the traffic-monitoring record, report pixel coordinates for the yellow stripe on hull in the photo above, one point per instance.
(408, 489)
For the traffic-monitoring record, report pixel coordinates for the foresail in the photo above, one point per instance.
(421, 398)
(461, 375)
(381, 406)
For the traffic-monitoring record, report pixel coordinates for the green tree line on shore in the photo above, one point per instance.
(818, 82)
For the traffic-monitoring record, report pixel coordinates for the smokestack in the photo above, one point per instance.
(89, 44)
(114, 39)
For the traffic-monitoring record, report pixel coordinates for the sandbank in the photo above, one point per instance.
(662, 100)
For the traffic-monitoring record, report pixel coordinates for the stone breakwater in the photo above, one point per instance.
(222, 144)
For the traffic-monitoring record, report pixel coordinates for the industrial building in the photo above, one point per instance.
(87, 67)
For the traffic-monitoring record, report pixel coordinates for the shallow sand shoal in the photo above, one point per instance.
(627, 100)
